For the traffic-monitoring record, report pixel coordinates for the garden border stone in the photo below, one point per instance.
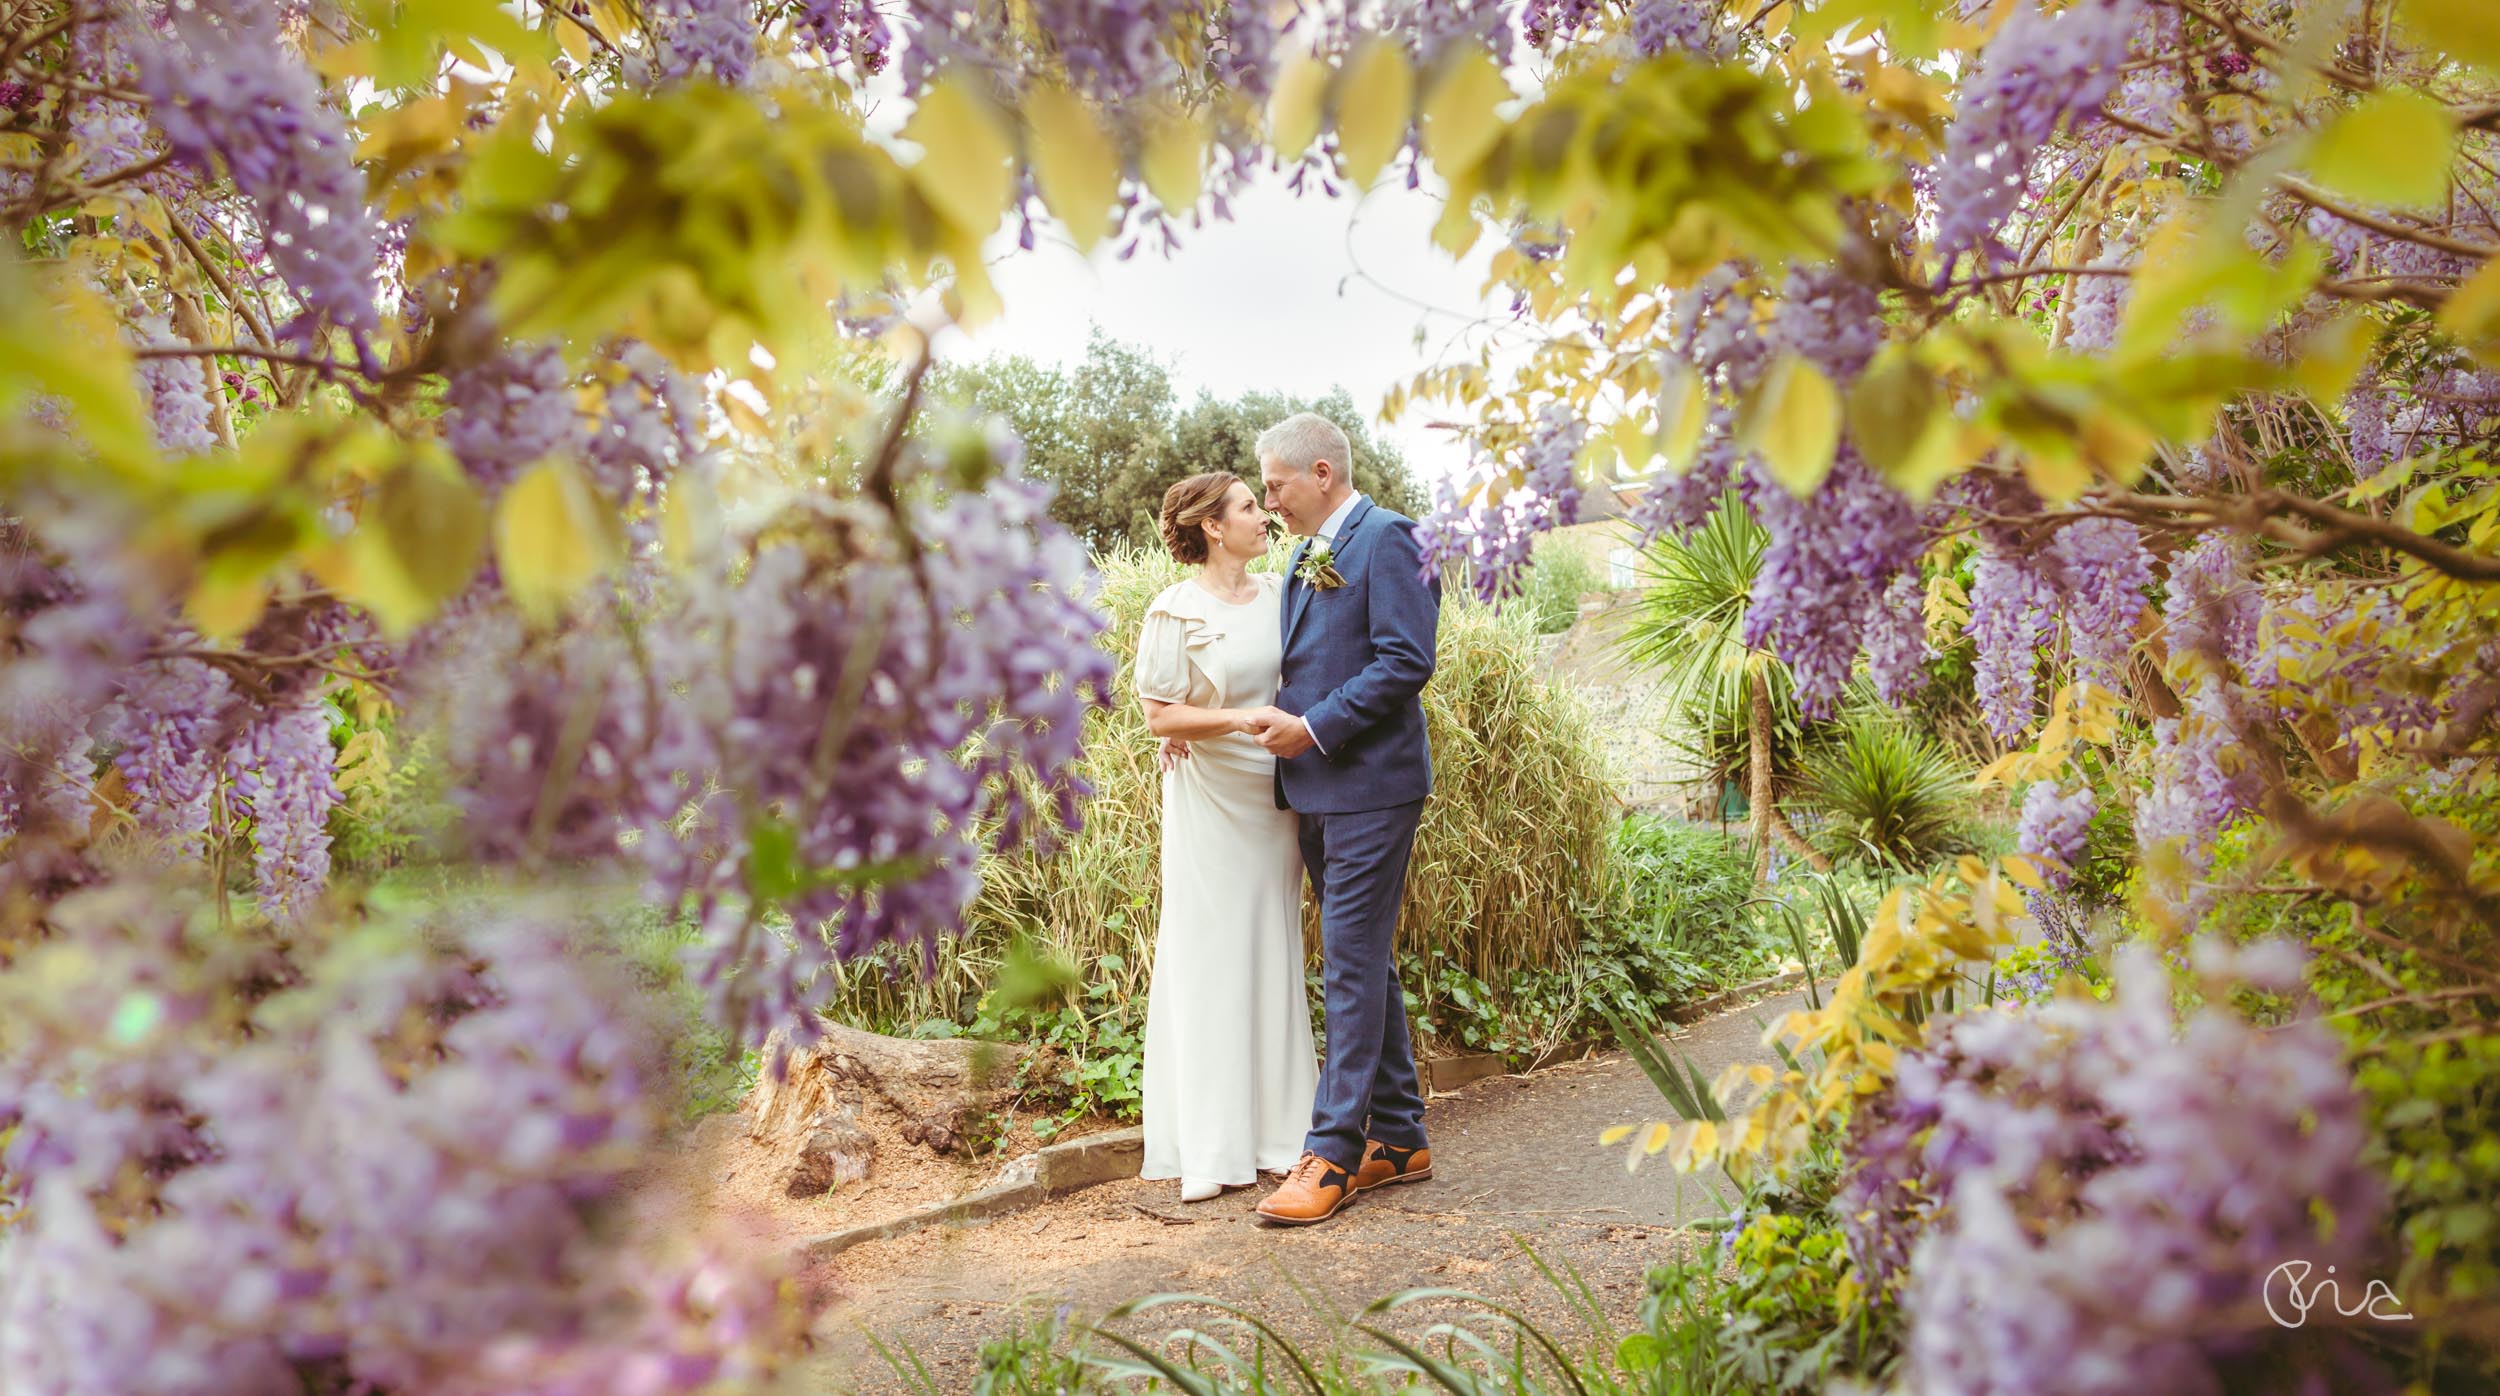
(1115, 1154)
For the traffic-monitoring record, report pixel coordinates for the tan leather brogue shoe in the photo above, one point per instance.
(1312, 1192)
(1383, 1164)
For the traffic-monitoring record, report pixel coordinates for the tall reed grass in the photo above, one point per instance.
(1513, 840)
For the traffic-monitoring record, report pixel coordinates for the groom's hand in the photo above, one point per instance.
(1284, 735)
(1170, 752)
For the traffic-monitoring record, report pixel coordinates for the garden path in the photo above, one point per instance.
(1513, 1157)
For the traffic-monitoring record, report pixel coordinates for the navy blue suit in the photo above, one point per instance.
(1356, 660)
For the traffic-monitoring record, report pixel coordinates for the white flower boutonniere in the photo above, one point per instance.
(1316, 569)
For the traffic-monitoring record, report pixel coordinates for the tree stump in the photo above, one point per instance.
(836, 1151)
(946, 1092)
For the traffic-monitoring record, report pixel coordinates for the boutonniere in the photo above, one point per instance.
(1317, 568)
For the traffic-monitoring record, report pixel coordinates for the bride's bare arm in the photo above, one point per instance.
(1191, 723)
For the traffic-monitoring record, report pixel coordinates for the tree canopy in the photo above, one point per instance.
(1110, 435)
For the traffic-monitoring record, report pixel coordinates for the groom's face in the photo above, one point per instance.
(1299, 497)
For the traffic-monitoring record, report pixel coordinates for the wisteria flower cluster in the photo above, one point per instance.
(2087, 1197)
(369, 1172)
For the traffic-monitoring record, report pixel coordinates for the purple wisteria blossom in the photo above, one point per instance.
(2211, 614)
(2086, 1197)
(2037, 72)
(1495, 538)
(228, 90)
(2103, 572)
(2054, 824)
(2012, 607)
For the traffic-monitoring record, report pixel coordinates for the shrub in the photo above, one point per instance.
(1558, 577)
(1885, 792)
(1512, 849)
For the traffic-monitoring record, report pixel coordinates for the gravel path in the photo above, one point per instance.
(1516, 1164)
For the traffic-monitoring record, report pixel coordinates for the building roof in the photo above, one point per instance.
(1602, 502)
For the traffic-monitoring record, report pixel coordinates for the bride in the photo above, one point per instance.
(1230, 1070)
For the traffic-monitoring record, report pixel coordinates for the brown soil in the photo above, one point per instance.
(712, 1177)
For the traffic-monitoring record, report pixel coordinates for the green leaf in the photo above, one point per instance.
(966, 154)
(2393, 148)
(1376, 107)
(1073, 163)
(1794, 421)
(1460, 122)
(772, 862)
(552, 536)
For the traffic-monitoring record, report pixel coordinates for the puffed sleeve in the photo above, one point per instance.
(1162, 671)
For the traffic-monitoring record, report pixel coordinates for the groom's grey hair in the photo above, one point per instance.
(1305, 439)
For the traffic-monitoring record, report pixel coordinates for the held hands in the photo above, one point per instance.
(1284, 735)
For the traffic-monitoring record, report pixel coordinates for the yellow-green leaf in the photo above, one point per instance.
(2329, 357)
(2467, 29)
(1174, 160)
(2393, 148)
(1460, 124)
(1376, 107)
(1293, 113)
(2472, 313)
(689, 518)
(966, 154)
(1683, 409)
(222, 607)
(418, 547)
(1073, 163)
(1898, 422)
(552, 536)
(434, 521)
(1794, 421)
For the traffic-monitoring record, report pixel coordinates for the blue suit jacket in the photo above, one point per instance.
(1356, 659)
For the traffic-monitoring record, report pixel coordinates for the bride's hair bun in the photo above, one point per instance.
(1190, 503)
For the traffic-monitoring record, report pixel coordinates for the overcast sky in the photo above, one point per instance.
(1296, 294)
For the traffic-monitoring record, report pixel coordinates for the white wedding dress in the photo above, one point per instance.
(1230, 1069)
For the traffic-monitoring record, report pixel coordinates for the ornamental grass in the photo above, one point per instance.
(1513, 843)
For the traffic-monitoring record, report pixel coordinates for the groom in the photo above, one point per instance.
(1347, 731)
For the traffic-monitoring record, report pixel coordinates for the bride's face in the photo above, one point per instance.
(1241, 529)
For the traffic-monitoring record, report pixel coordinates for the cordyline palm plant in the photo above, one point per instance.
(1891, 793)
(1689, 627)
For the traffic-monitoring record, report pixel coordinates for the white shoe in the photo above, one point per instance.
(1192, 1191)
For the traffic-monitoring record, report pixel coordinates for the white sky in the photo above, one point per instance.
(1293, 294)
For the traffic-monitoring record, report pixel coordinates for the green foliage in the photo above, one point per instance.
(1512, 853)
(1098, 1024)
(1669, 927)
(713, 1073)
(2411, 992)
(1215, 433)
(1558, 577)
(1791, 1316)
(1689, 626)
(1885, 792)
(1110, 435)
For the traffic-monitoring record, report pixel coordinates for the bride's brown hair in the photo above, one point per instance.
(1190, 503)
